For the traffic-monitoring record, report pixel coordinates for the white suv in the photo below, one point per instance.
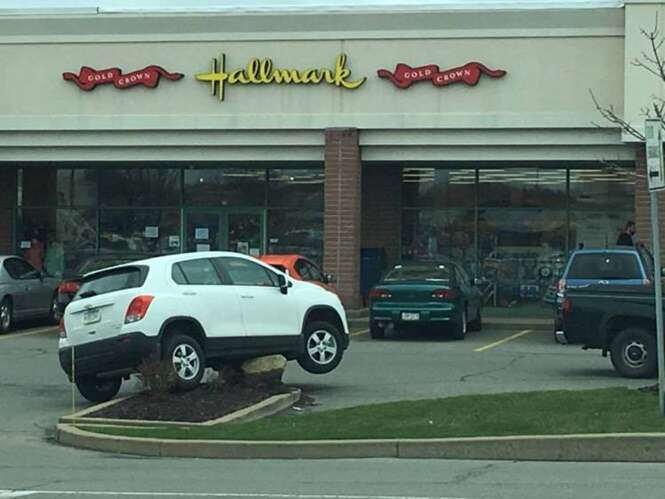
(195, 310)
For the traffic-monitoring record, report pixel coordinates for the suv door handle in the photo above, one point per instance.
(189, 293)
(247, 297)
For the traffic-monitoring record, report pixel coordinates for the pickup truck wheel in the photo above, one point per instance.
(633, 353)
(323, 348)
(98, 390)
(188, 361)
(6, 315)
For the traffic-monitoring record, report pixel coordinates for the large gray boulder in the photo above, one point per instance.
(264, 370)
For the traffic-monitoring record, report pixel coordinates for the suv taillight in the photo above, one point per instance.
(61, 329)
(378, 293)
(138, 308)
(444, 294)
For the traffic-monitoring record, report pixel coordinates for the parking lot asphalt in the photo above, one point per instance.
(34, 393)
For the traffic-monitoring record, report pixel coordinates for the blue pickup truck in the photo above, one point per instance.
(606, 302)
(621, 266)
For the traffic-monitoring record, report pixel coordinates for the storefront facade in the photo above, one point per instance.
(422, 135)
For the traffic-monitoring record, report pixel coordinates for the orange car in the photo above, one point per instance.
(299, 267)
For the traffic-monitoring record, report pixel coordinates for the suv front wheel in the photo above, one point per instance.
(323, 348)
(188, 361)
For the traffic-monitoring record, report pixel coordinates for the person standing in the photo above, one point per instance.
(626, 237)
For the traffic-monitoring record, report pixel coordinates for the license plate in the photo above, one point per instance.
(410, 316)
(91, 316)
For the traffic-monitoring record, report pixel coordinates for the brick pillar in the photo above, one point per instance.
(7, 201)
(643, 205)
(381, 210)
(341, 219)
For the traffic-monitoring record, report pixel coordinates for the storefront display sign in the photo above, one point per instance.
(88, 78)
(404, 75)
(262, 72)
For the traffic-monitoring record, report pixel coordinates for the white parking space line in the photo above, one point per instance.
(50, 329)
(25, 493)
(505, 340)
(358, 333)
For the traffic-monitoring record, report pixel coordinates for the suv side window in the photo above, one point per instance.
(200, 271)
(247, 273)
(19, 269)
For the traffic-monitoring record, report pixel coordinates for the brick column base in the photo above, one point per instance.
(643, 204)
(7, 201)
(341, 219)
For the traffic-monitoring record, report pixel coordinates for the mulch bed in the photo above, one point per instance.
(201, 404)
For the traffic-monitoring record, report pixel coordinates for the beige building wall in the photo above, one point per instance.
(642, 88)
(540, 110)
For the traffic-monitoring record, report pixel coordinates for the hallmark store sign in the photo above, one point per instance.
(262, 72)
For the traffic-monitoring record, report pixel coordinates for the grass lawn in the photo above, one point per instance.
(552, 412)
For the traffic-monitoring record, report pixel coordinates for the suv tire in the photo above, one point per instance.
(6, 315)
(323, 348)
(633, 353)
(98, 390)
(186, 357)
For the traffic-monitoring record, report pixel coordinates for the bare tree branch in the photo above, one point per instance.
(610, 115)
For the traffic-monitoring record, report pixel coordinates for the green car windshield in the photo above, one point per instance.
(419, 273)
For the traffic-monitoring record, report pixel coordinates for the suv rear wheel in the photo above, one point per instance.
(633, 353)
(98, 390)
(188, 361)
(323, 348)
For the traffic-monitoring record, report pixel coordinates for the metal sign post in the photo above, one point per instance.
(656, 182)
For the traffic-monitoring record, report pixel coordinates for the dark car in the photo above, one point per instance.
(69, 287)
(25, 293)
(438, 294)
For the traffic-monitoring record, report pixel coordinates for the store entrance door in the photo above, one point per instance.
(226, 229)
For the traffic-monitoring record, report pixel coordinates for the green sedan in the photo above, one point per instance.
(425, 294)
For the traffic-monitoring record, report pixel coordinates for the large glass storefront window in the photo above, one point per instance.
(513, 227)
(67, 215)
(227, 187)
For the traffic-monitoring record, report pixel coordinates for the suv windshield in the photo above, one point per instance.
(114, 280)
(419, 273)
(605, 266)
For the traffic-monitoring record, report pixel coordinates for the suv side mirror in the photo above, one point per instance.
(330, 279)
(283, 283)
(478, 281)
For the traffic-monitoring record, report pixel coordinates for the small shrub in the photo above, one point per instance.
(157, 376)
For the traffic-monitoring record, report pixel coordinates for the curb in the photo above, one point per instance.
(265, 408)
(620, 447)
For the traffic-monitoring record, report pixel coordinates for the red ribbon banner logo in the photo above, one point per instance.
(89, 78)
(404, 75)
